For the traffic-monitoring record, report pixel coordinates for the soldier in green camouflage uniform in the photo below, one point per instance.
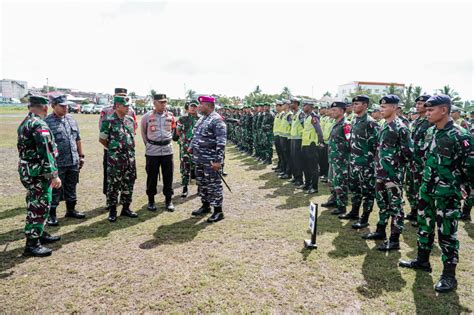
(184, 130)
(418, 134)
(394, 151)
(117, 134)
(339, 150)
(449, 163)
(38, 174)
(267, 134)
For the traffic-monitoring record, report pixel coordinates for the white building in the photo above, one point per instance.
(379, 88)
(13, 88)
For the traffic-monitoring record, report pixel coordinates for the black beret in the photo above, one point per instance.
(38, 100)
(159, 97)
(422, 98)
(389, 99)
(120, 90)
(437, 100)
(361, 98)
(342, 105)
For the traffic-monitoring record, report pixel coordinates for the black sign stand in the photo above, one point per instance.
(313, 218)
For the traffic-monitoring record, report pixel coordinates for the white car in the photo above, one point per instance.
(97, 109)
(87, 108)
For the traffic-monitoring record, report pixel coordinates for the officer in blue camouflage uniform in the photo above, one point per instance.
(394, 151)
(339, 151)
(117, 134)
(38, 174)
(208, 148)
(418, 133)
(449, 164)
(70, 158)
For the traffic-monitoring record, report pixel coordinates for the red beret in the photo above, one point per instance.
(206, 99)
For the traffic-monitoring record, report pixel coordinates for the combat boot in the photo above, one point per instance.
(331, 201)
(311, 191)
(392, 243)
(48, 238)
(352, 215)
(151, 203)
(466, 212)
(52, 219)
(448, 281)
(379, 234)
(422, 261)
(205, 208)
(268, 161)
(339, 210)
(112, 213)
(34, 248)
(216, 216)
(169, 204)
(363, 221)
(71, 211)
(284, 176)
(412, 216)
(126, 212)
(185, 192)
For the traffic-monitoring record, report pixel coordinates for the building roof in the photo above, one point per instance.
(378, 83)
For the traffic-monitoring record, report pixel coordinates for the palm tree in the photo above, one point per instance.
(190, 94)
(455, 99)
(328, 94)
(132, 95)
(407, 97)
(285, 93)
(417, 91)
(257, 90)
(152, 92)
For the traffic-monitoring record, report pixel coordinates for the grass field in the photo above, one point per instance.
(253, 261)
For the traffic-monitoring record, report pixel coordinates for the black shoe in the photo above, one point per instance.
(268, 161)
(216, 216)
(53, 219)
(303, 186)
(224, 173)
(205, 209)
(71, 211)
(312, 191)
(284, 176)
(410, 217)
(112, 214)
(338, 211)
(466, 213)
(421, 262)
(169, 206)
(47, 238)
(379, 234)
(185, 192)
(151, 203)
(292, 180)
(298, 183)
(331, 201)
(275, 168)
(363, 221)
(388, 245)
(34, 248)
(448, 281)
(350, 216)
(323, 180)
(126, 212)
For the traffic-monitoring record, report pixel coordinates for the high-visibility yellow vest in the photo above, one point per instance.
(285, 128)
(309, 133)
(296, 127)
(326, 125)
(277, 124)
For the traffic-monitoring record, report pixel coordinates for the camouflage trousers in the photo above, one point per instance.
(413, 184)
(362, 186)
(121, 175)
(338, 175)
(209, 185)
(186, 166)
(443, 212)
(389, 199)
(267, 145)
(38, 202)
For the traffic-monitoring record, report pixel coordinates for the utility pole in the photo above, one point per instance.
(47, 85)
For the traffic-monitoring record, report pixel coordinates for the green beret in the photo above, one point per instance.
(38, 100)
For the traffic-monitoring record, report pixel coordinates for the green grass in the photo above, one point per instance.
(13, 109)
(253, 261)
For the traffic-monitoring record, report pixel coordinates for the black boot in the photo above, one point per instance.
(216, 216)
(151, 203)
(339, 211)
(71, 211)
(205, 208)
(53, 219)
(312, 190)
(331, 201)
(352, 215)
(412, 216)
(448, 281)
(466, 212)
(422, 261)
(126, 212)
(48, 238)
(169, 204)
(112, 213)
(363, 221)
(34, 248)
(185, 192)
(379, 234)
(392, 243)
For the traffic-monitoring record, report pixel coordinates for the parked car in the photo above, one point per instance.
(74, 108)
(87, 108)
(97, 109)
